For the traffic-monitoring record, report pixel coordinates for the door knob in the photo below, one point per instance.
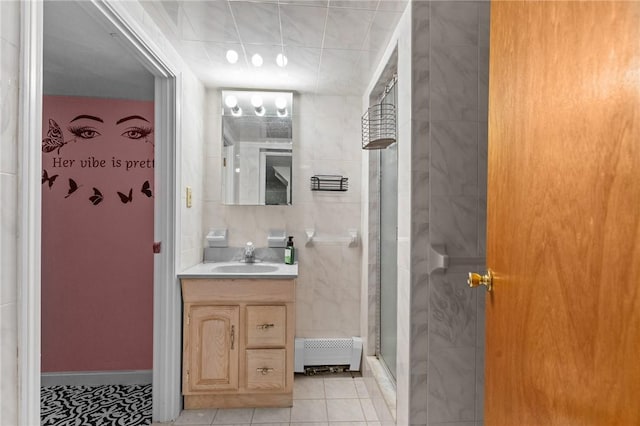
(476, 280)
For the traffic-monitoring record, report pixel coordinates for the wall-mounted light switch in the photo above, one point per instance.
(188, 197)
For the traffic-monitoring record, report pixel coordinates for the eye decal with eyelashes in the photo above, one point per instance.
(136, 132)
(84, 132)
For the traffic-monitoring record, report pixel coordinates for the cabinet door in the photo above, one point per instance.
(266, 326)
(212, 348)
(266, 369)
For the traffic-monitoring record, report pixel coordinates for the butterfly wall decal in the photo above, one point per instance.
(73, 187)
(96, 198)
(47, 178)
(54, 139)
(124, 198)
(146, 189)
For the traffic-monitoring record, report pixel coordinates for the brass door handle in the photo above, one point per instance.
(476, 280)
(265, 326)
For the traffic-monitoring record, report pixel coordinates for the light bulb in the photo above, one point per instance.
(256, 60)
(231, 101)
(256, 101)
(232, 56)
(281, 60)
(281, 102)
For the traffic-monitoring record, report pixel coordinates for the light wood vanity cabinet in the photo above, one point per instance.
(238, 342)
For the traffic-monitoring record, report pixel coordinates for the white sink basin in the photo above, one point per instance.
(244, 268)
(235, 269)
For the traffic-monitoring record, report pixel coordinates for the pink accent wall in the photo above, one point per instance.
(97, 259)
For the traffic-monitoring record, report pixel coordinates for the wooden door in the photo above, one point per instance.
(563, 320)
(211, 348)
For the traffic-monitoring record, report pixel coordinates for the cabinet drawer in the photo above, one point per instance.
(266, 369)
(266, 326)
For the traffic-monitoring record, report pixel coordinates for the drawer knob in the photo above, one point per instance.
(264, 370)
(265, 326)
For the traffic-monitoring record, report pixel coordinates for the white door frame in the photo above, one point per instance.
(166, 299)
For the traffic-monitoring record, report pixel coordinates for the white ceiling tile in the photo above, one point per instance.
(382, 27)
(393, 5)
(355, 4)
(257, 22)
(303, 25)
(340, 71)
(209, 21)
(347, 28)
(318, 3)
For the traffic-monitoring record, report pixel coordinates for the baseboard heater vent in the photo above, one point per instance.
(327, 352)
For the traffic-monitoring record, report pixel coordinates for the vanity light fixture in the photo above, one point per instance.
(232, 56)
(256, 101)
(281, 106)
(256, 60)
(232, 103)
(281, 60)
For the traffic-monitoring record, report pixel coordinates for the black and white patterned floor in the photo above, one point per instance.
(108, 405)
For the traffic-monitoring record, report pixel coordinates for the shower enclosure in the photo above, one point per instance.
(388, 295)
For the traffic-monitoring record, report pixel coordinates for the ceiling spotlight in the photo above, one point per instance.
(232, 103)
(256, 60)
(281, 106)
(281, 60)
(256, 101)
(232, 56)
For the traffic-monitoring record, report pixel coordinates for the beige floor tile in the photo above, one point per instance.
(229, 416)
(196, 417)
(271, 415)
(309, 410)
(308, 388)
(369, 410)
(340, 388)
(309, 424)
(345, 410)
(361, 387)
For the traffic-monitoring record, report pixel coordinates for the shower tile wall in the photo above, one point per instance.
(9, 76)
(442, 137)
(458, 87)
(326, 141)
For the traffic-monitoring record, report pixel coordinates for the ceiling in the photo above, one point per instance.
(332, 46)
(81, 58)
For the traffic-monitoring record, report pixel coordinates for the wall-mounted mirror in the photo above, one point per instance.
(257, 147)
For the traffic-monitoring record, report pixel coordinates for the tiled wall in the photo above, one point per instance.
(9, 76)
(326, 141)
(193, 103)
(458, 88)
(442, 136)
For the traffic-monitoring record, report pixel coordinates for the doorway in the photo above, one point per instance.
(116, 20)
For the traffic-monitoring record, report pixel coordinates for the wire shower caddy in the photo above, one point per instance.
(379, 126)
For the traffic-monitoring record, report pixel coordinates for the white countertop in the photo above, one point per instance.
(212, 270)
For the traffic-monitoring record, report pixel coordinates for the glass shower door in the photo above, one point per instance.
(388, 256)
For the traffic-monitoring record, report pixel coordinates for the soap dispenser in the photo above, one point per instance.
(289, 252)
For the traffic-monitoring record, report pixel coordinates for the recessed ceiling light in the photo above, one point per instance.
(256, 60)
(232, 56)
(281, 60)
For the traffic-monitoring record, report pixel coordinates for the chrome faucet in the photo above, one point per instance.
(249, 253)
